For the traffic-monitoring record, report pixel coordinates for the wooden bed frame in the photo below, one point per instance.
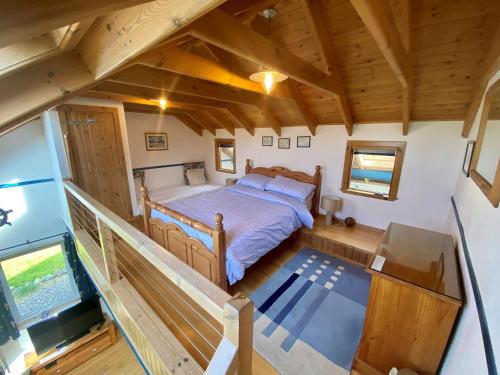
(211, 264)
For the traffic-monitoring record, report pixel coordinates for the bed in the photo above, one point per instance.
(255, 222)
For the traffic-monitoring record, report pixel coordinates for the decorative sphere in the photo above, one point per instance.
(349, 221)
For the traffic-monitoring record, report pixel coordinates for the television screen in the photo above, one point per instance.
(67, 326)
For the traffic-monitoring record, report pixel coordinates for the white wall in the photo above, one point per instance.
(24, 156)
(433, 158)
(183, 146)
(481, 222)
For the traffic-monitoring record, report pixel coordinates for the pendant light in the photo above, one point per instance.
(268, 77)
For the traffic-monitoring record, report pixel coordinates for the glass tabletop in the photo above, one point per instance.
(420, 257)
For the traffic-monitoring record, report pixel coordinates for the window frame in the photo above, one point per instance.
(218, 166)
(29, 320)
(398, 146)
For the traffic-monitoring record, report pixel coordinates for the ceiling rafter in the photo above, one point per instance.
(406, 15)
(26, 93)
(161, 79)
(310, 119)
(226, 58)
(189, 64)
(216, 116)
(28, 19)
(378, 19)
(241, 117)
(226, 32)
(317, 22)
(190, 122)
(489, 67)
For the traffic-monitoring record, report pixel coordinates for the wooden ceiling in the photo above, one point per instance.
(349, 61)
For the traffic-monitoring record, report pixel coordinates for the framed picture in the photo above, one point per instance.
(156, 141)
(283, 142)
(304, 141)
(267, 140)
(468, 157)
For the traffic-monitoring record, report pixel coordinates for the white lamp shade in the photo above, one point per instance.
(330, 203)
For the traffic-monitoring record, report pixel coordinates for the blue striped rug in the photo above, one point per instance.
(309, 314)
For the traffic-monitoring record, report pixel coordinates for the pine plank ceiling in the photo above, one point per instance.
(350, 61)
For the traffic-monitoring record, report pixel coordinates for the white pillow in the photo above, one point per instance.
(196, 176)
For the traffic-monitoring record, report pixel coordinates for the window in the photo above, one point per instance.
(38, 284)
(372, 169)
(225, 155)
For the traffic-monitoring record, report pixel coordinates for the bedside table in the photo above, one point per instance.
(231, 181)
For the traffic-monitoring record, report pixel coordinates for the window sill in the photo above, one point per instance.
(368, 195)
(225, 171)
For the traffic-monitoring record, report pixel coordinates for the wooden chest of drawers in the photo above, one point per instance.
(414, 299)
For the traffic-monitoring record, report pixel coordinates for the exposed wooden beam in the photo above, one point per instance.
(241, 117)
(317, 22)
(178, 61)
(26, 93)
(378, 19)
(490, 66)
(309, 117)
(245, 6)
(68, 37)
(217, 117)
(201, 117)
(406, 15)
(224, 31)
(160, 79)
(189, 122)
(271, 120)
(119, 37)
(27, 19)
(27, 53)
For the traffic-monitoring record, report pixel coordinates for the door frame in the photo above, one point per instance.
(61, 109)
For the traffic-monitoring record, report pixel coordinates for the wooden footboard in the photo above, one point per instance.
(211, 264)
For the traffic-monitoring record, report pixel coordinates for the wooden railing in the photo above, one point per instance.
(176, 320)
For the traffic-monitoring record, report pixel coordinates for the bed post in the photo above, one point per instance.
(219, 243)
(317, 194)
(247, 167)
(146, 210)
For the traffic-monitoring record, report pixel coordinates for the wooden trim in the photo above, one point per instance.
(308, 116)
(218, 167)
(490, 189)
(399, 147)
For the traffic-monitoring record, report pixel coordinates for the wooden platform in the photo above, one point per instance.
(356, 244)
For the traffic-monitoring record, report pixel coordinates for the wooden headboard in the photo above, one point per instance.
(299, 176)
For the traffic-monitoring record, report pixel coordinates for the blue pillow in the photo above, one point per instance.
(254, 180)
(292, 188)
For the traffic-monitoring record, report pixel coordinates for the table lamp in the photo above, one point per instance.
(331, 204)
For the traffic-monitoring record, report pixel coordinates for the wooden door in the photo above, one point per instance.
(95, 149)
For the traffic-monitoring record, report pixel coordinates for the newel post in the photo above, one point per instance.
(146, 210)
(247, 166)
(108, 251)
(238, 328)
(219, 248)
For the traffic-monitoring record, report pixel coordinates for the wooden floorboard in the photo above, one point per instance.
(115, 360)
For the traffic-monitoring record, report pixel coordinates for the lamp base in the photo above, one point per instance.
(331, 219)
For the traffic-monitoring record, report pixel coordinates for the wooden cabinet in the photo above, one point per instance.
(67, 358)
(414, 299)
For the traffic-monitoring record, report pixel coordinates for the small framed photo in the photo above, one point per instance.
(283, 142)
(267, 140)
(304, 141)
(156, 141)
(468, 157)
